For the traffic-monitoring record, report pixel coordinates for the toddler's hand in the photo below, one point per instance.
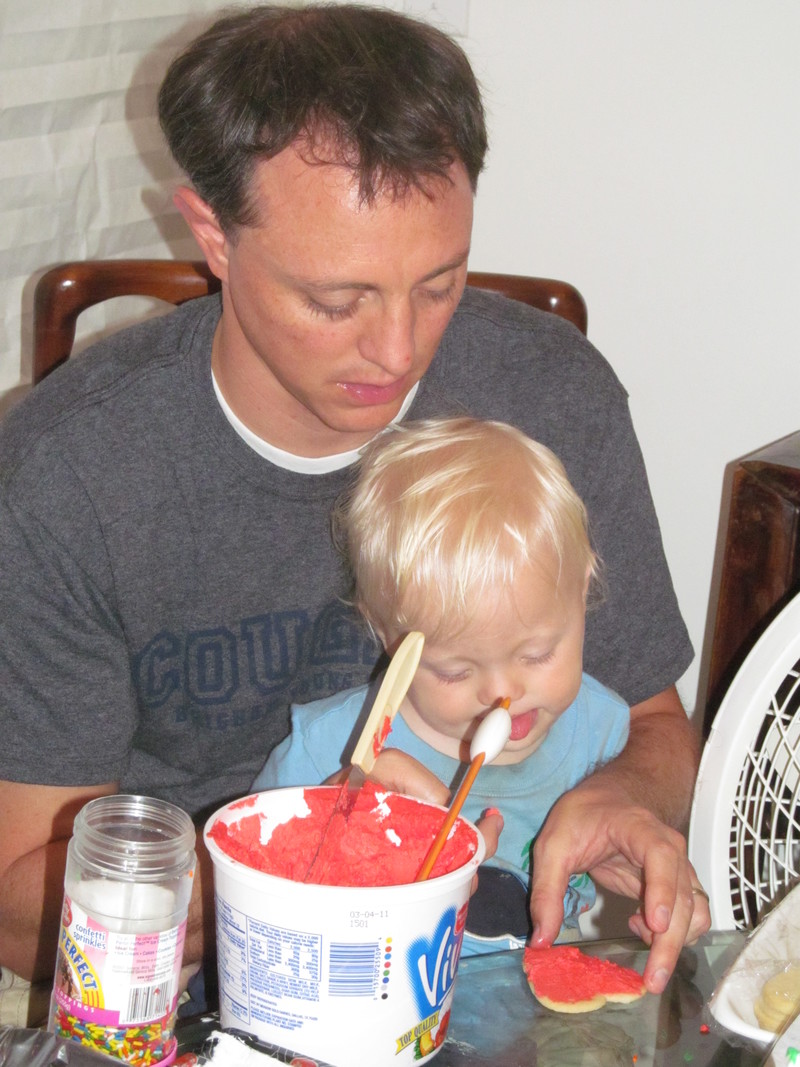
(402, 773)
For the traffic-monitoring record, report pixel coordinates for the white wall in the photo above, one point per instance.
(650, 154)
(647, 152)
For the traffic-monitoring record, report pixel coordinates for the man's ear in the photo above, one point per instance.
(207, 231)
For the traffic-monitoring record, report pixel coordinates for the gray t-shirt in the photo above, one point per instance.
(167, 593)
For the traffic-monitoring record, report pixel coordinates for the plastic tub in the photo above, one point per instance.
(358, 977)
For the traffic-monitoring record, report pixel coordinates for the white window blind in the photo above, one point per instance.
(84, 172)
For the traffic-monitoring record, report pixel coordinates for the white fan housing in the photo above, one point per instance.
(744, 837)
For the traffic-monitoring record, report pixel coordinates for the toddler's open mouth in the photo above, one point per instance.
(521, 725)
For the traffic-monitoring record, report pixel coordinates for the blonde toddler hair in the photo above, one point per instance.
(446, 511)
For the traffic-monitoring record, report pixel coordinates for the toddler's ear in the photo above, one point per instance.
(587, 581)
(379, 631)
(389, 641)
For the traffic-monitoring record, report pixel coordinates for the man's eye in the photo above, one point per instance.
(442, 295)
(338, 311)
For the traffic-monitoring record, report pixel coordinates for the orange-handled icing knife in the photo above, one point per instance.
(398, 677)
(487, 744)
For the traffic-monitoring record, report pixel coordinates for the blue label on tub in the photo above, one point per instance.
(432, 961)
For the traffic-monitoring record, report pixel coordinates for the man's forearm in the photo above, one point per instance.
(31, 894)
(658, 766)
(30, 911)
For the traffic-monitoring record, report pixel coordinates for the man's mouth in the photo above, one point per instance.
(375, 394)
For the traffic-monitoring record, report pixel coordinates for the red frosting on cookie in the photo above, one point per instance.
(566, 979)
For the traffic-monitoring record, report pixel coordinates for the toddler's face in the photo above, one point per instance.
(525, 644)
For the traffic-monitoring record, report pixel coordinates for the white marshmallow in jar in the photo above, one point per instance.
(127, 887)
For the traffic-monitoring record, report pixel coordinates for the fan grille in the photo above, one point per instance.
(764, 852)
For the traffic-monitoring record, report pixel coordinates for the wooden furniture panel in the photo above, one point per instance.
(761, 561)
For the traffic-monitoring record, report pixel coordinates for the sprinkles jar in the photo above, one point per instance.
(126, 897)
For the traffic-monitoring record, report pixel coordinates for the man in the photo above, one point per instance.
(169, 583)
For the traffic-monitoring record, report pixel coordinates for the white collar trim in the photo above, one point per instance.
(288, 460)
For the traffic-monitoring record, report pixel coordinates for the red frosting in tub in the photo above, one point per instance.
(373, 847)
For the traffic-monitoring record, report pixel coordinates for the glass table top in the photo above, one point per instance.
(496, 1020)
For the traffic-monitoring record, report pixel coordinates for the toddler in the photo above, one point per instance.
(471, 532)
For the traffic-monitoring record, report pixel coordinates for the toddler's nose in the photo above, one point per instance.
(505, 688)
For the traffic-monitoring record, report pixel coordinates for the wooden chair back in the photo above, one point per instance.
(63, 292)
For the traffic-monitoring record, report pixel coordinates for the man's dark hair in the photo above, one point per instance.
(393, 98)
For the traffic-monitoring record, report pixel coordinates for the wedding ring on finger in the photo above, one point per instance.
(698, 891)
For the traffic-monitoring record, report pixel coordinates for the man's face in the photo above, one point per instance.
(334, 309)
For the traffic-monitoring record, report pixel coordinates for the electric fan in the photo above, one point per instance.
(744, 837)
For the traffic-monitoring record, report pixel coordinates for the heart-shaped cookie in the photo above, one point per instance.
(563, 978)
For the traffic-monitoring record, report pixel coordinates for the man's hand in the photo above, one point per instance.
(629, 852)
(611, 827)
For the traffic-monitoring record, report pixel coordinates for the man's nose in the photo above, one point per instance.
(388, 341)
